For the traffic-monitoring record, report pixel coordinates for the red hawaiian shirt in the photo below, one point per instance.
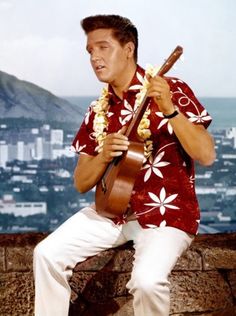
(164, 190)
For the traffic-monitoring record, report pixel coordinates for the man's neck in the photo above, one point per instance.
(123, 84)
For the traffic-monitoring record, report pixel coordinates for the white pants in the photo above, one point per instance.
(86, 234)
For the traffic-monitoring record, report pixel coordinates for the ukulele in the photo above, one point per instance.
(114, 190)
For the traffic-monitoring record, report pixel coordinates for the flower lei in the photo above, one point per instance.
(100, 122)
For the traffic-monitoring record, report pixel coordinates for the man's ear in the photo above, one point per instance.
(130, 49)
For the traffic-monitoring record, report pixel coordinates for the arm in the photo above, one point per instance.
(90, 169)
(195, 139)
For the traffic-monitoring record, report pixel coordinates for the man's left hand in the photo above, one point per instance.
(159, 89)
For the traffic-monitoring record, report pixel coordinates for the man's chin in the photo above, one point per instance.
(102, 79)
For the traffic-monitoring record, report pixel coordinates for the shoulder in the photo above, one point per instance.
(175, 82)
(178, 85)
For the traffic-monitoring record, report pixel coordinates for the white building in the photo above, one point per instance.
(3, 153)
(57, 137)
(59, 152)
(9, 206)
(231, 133)
(20, 150)
(39, 148)
(12, 152)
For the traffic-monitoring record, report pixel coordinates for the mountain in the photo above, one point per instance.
(20, 98)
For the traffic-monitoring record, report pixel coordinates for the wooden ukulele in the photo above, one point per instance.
(114, 190)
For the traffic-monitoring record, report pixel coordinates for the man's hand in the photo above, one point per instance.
(159, 89)
(114, 145)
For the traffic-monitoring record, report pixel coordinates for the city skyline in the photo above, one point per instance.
(52, 46)
(37, 189)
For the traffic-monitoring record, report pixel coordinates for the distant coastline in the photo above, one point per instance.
(222, 110)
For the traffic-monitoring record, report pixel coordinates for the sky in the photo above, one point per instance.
(42, 41)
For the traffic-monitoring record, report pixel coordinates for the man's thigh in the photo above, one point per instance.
(157, 250)
(83, 235)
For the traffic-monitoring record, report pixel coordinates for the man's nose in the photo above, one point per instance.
(94, 56)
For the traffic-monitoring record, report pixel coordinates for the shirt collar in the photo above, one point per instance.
(134, 87)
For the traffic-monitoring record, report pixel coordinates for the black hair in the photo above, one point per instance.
(123, 29)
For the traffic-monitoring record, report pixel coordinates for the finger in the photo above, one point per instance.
(116, 141)
(116, 136)
(116, 153)
(118, 147)
(123, 130)
(155, 94)
(149, 77)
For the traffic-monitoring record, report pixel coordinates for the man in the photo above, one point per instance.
(164, 210)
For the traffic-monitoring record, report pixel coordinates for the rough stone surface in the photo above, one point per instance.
(16, 294)
(232, 281)
(203, 282)
(199, 291)
(18, 260)
(2, 259)
(190, 260)
(219, 258)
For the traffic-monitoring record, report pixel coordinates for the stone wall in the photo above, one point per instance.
(203, 281)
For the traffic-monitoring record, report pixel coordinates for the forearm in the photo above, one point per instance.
(195, 140)
(88, 172)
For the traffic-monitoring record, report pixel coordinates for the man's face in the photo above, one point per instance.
(108, 58)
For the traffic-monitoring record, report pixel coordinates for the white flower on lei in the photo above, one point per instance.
(163, 122)
(200, 118)
(154, 165)
(143, 82)
(162, 201)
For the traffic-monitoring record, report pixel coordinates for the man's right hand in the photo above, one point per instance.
(89, 169)
(114, 145)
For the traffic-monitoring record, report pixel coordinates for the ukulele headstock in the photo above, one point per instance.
(170, 61)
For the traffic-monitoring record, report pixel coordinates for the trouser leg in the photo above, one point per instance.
(156, 253)
(83, 235)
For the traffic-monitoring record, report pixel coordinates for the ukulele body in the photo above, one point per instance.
(114, 190)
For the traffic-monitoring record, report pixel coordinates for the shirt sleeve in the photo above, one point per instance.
(84, 141)
(184, 98)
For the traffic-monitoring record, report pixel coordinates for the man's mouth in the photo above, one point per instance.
(99, 67)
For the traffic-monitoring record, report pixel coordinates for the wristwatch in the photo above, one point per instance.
(169, 116)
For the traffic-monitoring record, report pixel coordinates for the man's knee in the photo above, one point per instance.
(42, 251)
(148, 283)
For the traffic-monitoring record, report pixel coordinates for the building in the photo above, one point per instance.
(20, 150)
(231, 133)
(3, 153)
(57, 137)
(9, 206)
